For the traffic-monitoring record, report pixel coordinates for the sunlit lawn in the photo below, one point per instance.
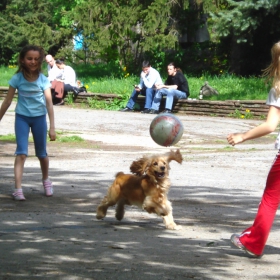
(102, 79)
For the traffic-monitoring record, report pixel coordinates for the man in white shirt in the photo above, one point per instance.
(53, 71)
(149, 78)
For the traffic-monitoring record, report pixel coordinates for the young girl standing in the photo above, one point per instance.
(253, 239)
(34, 102)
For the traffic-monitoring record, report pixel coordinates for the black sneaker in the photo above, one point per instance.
(75, 91)
(59, 104)
(167, 111)
(152, 111)
(126, 109)
(146, 111)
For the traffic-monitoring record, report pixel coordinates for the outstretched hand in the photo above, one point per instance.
(235, 138)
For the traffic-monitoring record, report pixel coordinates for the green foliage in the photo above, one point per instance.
(69, 99)
(67, 139)
(242, 18)
(115, 104)
(43, 23)
(8, 138)
(12, 138)
(98, 79)
(230, 87)
(6, 74)
(124, 31)
(244, 114)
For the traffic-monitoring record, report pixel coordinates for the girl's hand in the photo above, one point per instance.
(52, 134)
(235, 138)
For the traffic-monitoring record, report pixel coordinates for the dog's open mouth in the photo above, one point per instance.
(159, 174)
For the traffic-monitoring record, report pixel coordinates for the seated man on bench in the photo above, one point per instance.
(149, 79)
(176, 86)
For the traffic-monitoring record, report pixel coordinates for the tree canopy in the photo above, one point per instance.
(127, 31)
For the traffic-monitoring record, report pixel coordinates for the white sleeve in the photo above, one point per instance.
(54, 73)
(152, 78)
(70, 76)
(272, 99)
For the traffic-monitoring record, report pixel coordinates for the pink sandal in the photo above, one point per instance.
(48, 187)
(18, 195)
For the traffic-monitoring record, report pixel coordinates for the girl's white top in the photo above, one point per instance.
(272, 99)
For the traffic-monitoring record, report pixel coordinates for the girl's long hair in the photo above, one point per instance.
(21, 67)
(272, 72)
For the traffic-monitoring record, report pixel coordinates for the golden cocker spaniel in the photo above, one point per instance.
(146, 188)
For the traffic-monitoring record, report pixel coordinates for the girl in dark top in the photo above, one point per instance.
(176, 85)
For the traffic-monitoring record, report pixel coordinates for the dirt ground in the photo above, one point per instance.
(214, 193)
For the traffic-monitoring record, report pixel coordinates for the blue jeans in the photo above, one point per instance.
(149, 92)
(170, 94)
(38, 127)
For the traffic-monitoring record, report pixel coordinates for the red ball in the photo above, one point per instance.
(166, 129)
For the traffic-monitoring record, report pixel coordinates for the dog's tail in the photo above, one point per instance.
(118, 174)
(175, 155)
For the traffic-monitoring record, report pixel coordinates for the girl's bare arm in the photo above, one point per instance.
(265, 128)
(7, 101)
(49, 105)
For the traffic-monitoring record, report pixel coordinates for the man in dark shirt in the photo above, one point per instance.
(176, 86)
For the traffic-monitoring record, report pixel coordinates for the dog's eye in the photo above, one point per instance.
(155, 163)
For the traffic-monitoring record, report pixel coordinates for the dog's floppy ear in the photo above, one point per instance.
(175, 155)
(140, 166)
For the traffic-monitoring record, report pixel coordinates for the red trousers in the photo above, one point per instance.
(254, 238)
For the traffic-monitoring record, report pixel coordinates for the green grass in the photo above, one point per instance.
(110, 79)
(62, 138)
(12, 138)
(70, 139)
(231, 87)
(59, 138)
(8, 138)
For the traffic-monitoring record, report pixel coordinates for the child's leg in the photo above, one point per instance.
(22, 129)
(22, 132)
(255, 237)
(44, 163)
(18, 170)
(39, 131)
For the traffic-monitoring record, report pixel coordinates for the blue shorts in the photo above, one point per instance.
(38, 127)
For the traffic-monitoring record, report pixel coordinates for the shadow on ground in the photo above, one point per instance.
(59, 237)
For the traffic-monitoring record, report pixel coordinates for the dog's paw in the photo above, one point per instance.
(101, 213)
(119, 215)
(178, 227)
(173, 226)
(99, 217)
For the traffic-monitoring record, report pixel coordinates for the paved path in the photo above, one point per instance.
(214, 193)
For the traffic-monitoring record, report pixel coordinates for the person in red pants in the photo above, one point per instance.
(253, 239)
